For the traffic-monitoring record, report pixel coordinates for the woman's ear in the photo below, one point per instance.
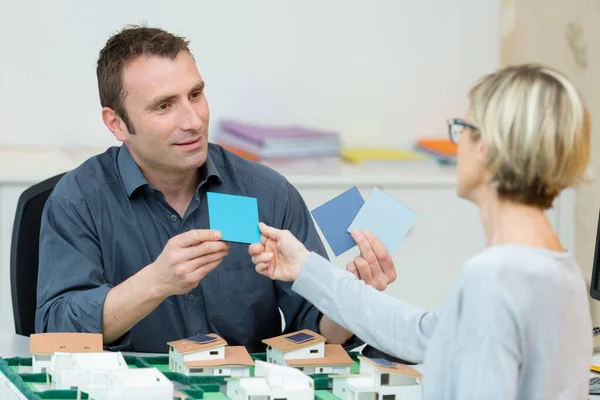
(481, 150)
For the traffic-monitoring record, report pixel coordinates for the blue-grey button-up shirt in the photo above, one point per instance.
(103, 223)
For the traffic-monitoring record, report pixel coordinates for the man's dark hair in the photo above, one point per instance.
(131, 42)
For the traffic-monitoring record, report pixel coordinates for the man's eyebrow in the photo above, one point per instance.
(198, 87)
(169, 98)
(159, 100)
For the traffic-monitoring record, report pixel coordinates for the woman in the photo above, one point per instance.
(517, 325)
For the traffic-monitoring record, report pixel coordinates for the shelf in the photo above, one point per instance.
(25, 166)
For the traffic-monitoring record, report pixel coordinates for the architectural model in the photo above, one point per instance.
(71, 370)
(76, 361)
(307, 351)
(379, 379)
(132, 384)
(272, 382)
(42, 346)
(206, 355)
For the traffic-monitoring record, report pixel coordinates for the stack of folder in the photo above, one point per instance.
(272, 143)
(443, 150)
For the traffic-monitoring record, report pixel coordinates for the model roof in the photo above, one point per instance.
(66, 342)
(394, 368)
(105, 360)
(285, 345)
(234, 356)
(185, 346)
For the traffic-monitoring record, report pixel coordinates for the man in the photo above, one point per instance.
(125, 247)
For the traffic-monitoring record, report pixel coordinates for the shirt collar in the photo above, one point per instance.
(133, 178)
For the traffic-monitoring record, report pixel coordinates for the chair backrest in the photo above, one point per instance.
(24, 253)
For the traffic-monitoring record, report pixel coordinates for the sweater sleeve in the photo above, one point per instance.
(386, 323)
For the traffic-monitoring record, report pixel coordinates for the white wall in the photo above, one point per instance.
(565, 36)
(381, 72)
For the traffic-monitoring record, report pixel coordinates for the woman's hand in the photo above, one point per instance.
(374, 265)
(279, 255)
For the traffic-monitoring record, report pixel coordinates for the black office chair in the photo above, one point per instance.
(24, 253)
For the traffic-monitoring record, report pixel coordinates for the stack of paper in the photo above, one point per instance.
(441, 149)
(262, 143)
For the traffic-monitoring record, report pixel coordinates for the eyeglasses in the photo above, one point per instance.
(456, 127)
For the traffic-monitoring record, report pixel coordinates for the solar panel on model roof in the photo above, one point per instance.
(382, 362)
(202, 339)
(300, 337)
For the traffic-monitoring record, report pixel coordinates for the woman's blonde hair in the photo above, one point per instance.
(536, 128)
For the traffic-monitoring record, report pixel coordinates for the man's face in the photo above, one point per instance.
(165, 103)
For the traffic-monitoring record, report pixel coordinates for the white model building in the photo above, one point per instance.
(208, 355)
(379, 380)
(71, 370)
(307, 351)
(132, 384)
(272, 382)
(42, 346)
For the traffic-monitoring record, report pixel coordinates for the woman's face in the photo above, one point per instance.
(470, 165)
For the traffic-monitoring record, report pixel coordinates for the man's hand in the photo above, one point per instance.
(374, 265)
(186, 259)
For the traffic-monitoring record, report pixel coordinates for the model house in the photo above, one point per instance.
(43, 345)
(207, 355)
(131, 384)
(272, 382)
(307, 351)
(379, 380)
(71, 370)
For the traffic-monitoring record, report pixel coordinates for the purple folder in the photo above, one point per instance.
(260, 134)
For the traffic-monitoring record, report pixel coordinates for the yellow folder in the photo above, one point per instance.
(360, 155)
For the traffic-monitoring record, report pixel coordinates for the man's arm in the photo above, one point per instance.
(184, 262)
(127, 304)
(71, 283)
(300, 314)
(73, 294)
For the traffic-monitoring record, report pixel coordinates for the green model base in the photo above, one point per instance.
(196, 387)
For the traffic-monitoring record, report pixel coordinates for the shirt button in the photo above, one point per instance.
(191, 297)
(173, 217)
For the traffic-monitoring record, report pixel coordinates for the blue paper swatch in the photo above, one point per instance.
(386, 217)
(335, 216)
(236, 217)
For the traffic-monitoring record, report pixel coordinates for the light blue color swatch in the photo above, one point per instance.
(386, 217)
(236, 217)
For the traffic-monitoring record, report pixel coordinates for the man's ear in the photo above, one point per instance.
(115, 124)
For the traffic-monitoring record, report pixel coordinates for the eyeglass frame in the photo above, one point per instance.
(455, 136)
